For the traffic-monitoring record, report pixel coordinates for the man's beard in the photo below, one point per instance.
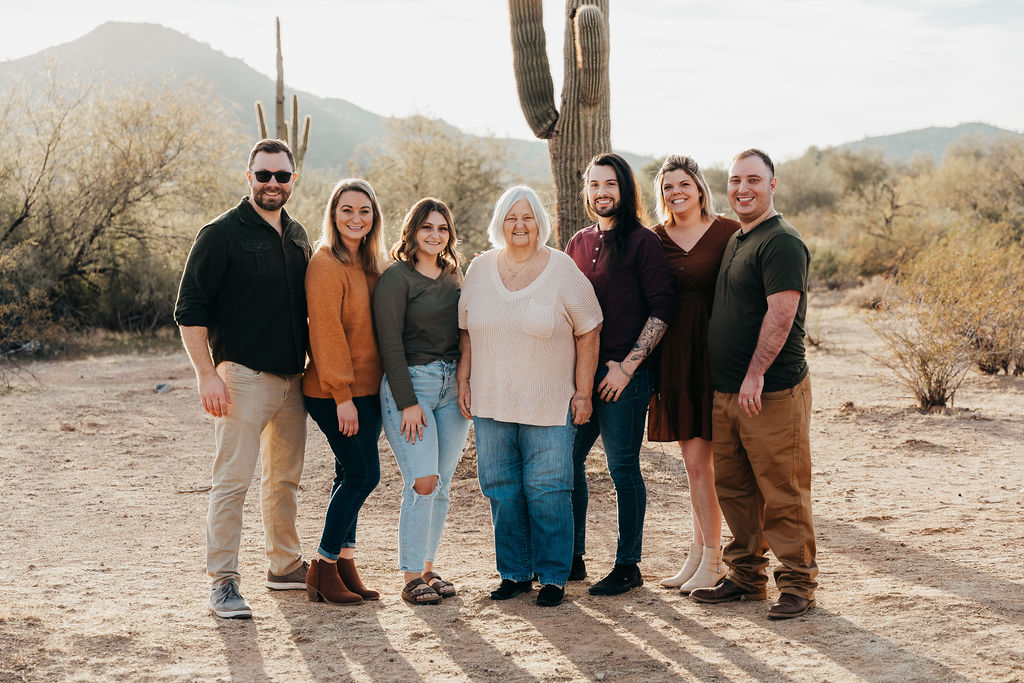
(273, 203)
(611, 211)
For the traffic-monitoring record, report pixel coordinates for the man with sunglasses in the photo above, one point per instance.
(242, 313)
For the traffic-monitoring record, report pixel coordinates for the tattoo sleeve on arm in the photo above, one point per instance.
(650, 335)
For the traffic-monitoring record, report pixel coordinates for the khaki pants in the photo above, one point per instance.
(266, 415)
(763, 480)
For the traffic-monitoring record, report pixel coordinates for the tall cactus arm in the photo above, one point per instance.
(280, 123)
(591, 33)
(261, 121)
(530, 62)
(304, 141)
(293, 129)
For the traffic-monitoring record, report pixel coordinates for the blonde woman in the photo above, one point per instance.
(694, 239)
(343, 378)
(415, 308)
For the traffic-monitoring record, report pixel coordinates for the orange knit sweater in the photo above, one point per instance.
(343, 360)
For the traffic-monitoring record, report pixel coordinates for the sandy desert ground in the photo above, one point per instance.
(920, 525)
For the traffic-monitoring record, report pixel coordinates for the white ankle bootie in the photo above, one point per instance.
(709, 573)
(688, 570)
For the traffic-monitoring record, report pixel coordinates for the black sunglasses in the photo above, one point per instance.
(264, 176)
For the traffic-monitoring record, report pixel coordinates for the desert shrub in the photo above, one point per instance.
(933, 314)
(107, 188)
(830, 267)
(27, 325)
(1000, 340)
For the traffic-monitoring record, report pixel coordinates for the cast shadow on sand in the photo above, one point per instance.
(321, 634)
(241, 649)
(1001, 597)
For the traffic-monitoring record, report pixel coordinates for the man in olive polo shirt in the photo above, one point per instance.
(242, 314)
(762, 400)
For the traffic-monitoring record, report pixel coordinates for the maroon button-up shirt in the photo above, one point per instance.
(639, 286)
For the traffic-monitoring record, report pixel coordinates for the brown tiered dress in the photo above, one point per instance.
(681, 405)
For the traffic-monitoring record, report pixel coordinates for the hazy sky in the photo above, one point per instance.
(703, 78)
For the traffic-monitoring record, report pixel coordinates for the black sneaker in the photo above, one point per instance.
(510, 589)
(550, 595)
(578, 572)
(621, 579)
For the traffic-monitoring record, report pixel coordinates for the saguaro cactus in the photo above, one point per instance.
(581, 128)
(283, 131)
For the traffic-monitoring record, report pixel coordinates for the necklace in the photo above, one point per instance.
(508, 266)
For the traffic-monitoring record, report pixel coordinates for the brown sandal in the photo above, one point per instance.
(443, 588)
(419, 592)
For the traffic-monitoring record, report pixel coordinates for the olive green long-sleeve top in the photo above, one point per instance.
(417, 322)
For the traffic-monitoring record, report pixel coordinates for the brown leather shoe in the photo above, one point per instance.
(789, 606)
(725, 591)
(350, 577)
(324, 585)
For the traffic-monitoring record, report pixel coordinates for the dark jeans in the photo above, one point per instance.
(621, 428)
(356, 468)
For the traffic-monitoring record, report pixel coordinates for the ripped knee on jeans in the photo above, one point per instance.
(425, 485)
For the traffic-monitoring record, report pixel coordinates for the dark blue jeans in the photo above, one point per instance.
(356, 468)
(526, 474)
(621, 428)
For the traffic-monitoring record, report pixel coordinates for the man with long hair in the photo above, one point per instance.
(628, 268)
(242, 313)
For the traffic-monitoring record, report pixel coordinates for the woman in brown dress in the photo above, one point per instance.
(694, 239)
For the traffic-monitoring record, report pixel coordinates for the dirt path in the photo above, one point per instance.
(920, 524)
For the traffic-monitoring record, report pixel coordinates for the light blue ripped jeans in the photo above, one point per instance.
(422, 518)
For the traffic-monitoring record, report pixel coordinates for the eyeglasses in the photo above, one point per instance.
(264, 176)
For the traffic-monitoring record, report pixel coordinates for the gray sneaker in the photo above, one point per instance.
(295, 580)
(226, 602)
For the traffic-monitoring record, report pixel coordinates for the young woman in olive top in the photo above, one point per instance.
(343, 377)
(415, 309)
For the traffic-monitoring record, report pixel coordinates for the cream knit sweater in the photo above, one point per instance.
(523, 343)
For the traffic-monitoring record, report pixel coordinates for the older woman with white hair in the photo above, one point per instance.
(530, 322)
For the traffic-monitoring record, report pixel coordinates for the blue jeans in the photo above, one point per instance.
(422, 517)
(356, 468)
(526, 473)
(621, 427)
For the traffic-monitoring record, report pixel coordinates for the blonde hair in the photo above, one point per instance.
(371, 251)
(679, 162)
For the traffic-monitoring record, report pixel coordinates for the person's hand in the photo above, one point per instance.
(581, 407)
(348, 418)
(613, 384)
(750, 394)
(464, 403)
(413, 422)
(214, 394)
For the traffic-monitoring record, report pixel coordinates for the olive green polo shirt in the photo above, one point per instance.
(769, 258)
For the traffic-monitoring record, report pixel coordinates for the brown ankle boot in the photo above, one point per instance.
(323, 584)
(348, 573)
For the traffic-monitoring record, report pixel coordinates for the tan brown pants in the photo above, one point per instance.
(266, 418)
(763, 480)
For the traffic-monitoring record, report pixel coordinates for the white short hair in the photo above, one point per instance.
(496, 234)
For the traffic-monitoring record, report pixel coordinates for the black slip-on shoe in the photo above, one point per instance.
(550, 595)
(510, 589)
(578, 572)
(622, 578)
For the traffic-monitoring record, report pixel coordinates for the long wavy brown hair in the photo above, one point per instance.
(406, 247)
